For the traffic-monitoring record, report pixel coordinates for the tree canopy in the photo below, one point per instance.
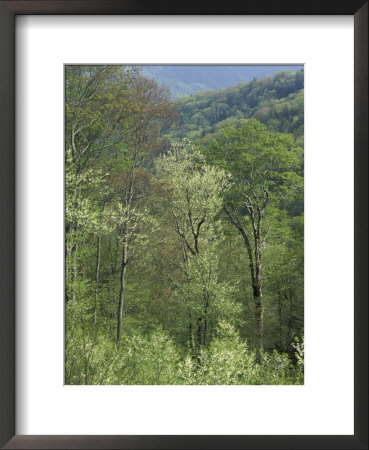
(184, 257)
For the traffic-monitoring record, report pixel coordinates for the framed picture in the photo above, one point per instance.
(131, 331)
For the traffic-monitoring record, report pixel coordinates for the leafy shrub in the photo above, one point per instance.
(227, 361)
(148, 360)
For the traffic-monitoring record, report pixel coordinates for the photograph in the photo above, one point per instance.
(184, 224)
(159, 281)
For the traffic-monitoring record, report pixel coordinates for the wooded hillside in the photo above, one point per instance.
(184, 231)
(277, 101)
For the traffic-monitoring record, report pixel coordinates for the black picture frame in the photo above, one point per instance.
(8, 11)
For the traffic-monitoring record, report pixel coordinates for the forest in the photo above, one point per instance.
(276, 101)
(184, 225)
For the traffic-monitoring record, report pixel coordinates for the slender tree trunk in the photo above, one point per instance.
(280, 318)
(192, 339)
(97, 278)
(290, 315)
(259, 313)
(206, 318)
(258, 296)
(122, 292)
(128, 203)
(255, 266)
(85, 358)
(75, 249)
(256, 281)
(199, 338)
(74, 272)
(199, 332)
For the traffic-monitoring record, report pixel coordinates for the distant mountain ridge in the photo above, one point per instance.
(190, 79)
(277, 101)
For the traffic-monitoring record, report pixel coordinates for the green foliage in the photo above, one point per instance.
(275, 368)
(193, 183)
(254, 156)
(228, 359)
(299, 347)
(151, 241)
(91, 358)
(149, 360)
(277, 101)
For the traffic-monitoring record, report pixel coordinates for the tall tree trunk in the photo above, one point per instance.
(85, 358)
(258, 296)
(74, 249)
(128, 203)
(74, 272)
(259, 315)
(199, 338)
(199, 332)
(206, 318)
(255, 266)
(97, 278)
(290, 318)
(192, 339)
(122, 292)
(280, 320)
